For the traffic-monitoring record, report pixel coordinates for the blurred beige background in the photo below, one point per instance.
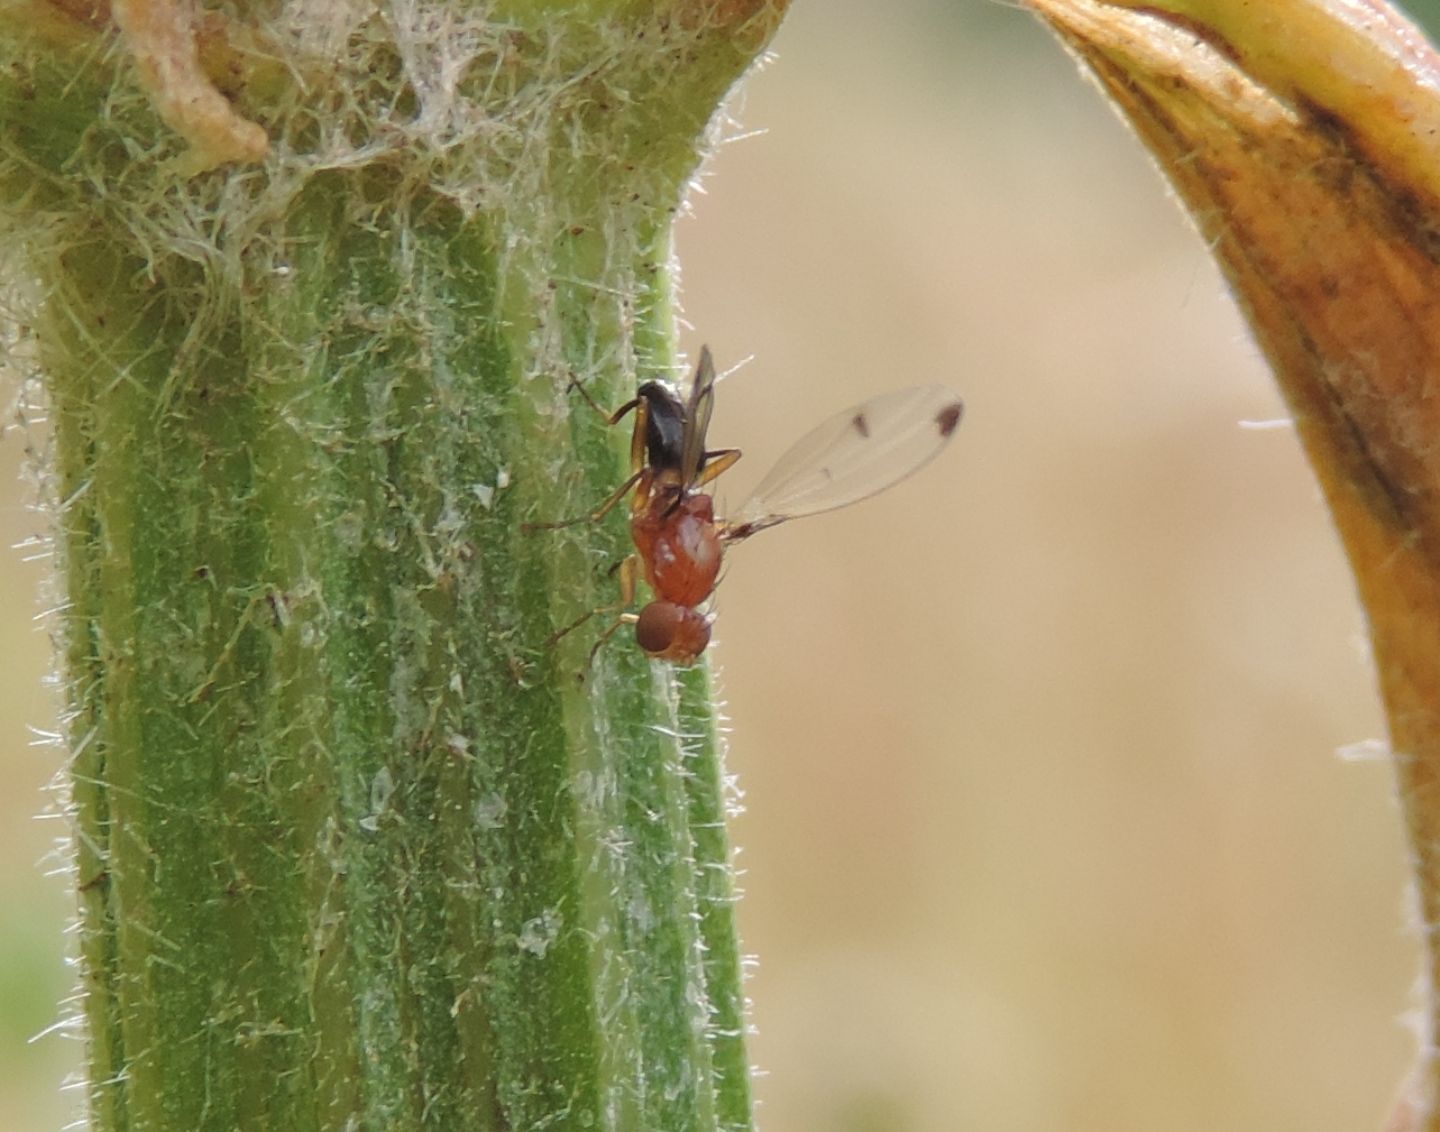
(1046, 823)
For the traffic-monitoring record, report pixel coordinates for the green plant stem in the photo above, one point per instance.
(356, 848)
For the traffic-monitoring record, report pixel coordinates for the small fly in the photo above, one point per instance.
(679, 542)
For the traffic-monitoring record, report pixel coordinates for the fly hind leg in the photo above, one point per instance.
(627, 570)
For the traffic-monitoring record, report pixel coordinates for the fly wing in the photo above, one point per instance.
(851, 457)
(697, 417)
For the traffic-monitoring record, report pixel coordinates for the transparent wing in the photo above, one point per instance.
(697, 417)
(851, 457)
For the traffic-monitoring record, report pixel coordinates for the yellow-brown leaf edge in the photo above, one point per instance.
(1303, 137)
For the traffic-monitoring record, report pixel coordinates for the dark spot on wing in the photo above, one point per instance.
(860, 425)
(948, 418)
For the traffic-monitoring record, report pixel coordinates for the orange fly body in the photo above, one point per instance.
(680, 544)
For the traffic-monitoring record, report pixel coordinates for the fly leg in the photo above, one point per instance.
(611, 502)
(717, 463)
(627, 571)
(641, 410)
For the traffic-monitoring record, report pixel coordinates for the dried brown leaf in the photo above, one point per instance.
(1304, 138)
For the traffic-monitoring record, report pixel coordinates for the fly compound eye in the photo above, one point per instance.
(657, 625)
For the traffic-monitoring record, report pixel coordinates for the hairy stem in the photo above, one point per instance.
(355, 848)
